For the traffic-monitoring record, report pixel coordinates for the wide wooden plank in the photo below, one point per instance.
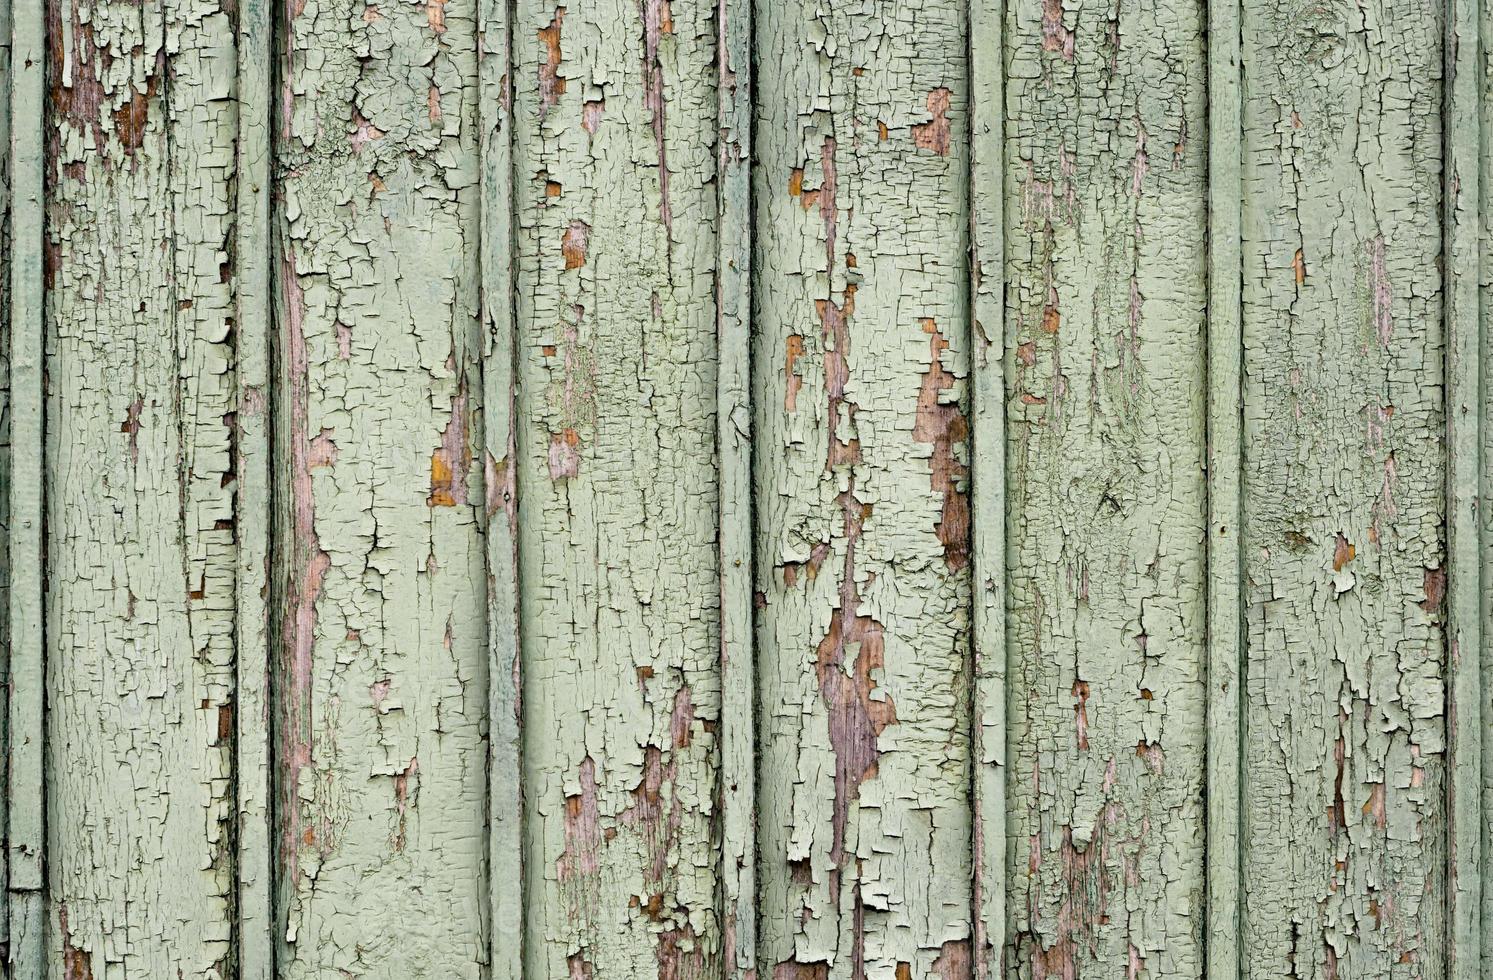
(138, 488)
(861, 361)
(1106, 287)
(1344, 487)
(382, 667)
(615, 121)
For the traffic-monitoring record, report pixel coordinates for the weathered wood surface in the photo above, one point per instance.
(1105, 294)
(752, 490)
(1344, 489)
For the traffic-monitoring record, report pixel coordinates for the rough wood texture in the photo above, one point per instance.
(861, 468)
(1105, 218)
(140, 560)
(382, 638)
(1344, 491)
(615, 150)
(745, 490)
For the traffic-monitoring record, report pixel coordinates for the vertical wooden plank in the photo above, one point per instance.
(1344, 484)
(253, 867)
(615, 127)
(988, 478)
(1225, 351)
(381, 697)
(1461, 216)
(1481, 69)
(25, 828)
(505, 892)
(1106, 411)
(5, 453)
(140, 519)
(860, 393)
(733, 298)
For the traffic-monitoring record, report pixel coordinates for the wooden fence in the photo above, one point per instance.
(793, 490)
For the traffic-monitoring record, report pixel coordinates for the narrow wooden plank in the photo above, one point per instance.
(1461, 261)
(253, 866)
(862, 355)
(382, 695)
(1106, 184)
(25, 828)
(505, 841)
(733, 298)
(615, 126)
(1344, 490)
(5, 455)
(1225, 352)
(987, 205)
(1482, 71)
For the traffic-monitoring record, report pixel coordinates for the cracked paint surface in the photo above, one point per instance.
(861, 473)
(615, 131)
(1344, 547)
(140, 500)
(382, 650)
(625, 171)
(1105, 289)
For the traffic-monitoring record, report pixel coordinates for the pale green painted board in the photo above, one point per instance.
(1344, 491)
(1105, 183)
(381, 650)
(861, 368)
(614, 137)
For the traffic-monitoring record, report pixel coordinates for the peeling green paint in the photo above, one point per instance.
(614, 152)
(1344, 491)
(140, 544)
(768, 491)
(382, 637)
(1105, 294)
(861, 362)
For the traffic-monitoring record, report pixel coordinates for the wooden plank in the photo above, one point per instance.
(1482, 71)
(1461, 261)
(137, 482)
(733, 298)
(253, 866)
(1224, 379)
(1106, 288)
(1344, 484)
(5, 455)
(615, 130)
(860, 394)
(25, 828)
(505, 839)
(987, 201)
(381, 700)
